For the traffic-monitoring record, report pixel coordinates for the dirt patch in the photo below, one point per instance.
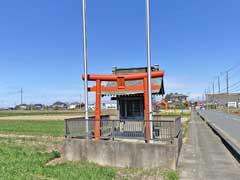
(49, 138)
(45, 143)
(41, 117)
(56, 162)
(139, 174)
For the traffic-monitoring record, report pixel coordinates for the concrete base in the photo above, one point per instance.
(123, 154)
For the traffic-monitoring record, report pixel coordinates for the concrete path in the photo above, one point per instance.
(204, 157)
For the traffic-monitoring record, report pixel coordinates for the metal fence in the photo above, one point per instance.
(124, 128)
(167, 126)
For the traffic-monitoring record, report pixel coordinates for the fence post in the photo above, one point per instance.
(173, 131)
(65, 122)
(112, 129)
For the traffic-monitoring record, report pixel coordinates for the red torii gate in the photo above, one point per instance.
(120, 79)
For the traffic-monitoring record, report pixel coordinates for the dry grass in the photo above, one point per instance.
(185, 125)
(47, 115)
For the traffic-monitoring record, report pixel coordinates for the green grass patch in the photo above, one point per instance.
(38, 113)
(27, 158)
(25, 163)
(170, 175)
(26, 127)
(175, 113)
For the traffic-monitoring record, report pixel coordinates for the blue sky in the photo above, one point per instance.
(41, 44)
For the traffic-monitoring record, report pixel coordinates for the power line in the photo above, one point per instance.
(235, 91)
(238, 86)
(228, 76)
(224, 89)
(234, 74)
(233, 67)
(234, 84)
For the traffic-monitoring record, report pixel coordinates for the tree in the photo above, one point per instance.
(168, 96)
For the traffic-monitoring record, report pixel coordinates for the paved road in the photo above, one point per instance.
(204, 157)
(228, 124)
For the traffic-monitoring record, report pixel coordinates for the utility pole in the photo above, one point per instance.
(84, 26)
(227, 83)
(80, 108)
(219, 86)
(21, 92)
(227, 79)
(149, 69)
(213, 89)
(209, 93)
(206, 96)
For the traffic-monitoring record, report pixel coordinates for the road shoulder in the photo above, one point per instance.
(204, 156)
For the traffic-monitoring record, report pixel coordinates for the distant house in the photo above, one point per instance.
(73, 106)
(22, 107)
(109, 106)
(92, 106)
(59, 105)
(38, 106)
(181, 98)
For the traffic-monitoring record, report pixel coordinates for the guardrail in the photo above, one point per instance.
(163, 128)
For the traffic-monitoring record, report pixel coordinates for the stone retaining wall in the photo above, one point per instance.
(123, 154)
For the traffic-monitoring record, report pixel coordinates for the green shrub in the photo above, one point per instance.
(171, 175)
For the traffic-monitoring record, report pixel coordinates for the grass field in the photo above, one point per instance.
(34, 113)
(25, 158)
(28, 148)
(28, 161)
(23, 127)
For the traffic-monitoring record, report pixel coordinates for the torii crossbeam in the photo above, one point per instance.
(120, 79)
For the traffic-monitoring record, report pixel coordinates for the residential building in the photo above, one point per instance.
(109, 106)
(22, 107)
(59, 105)
(92, 106)
(73, 106)
(38, 107)
(224, 99)
(178, 98)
